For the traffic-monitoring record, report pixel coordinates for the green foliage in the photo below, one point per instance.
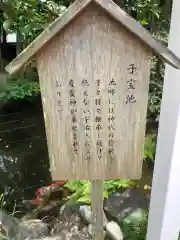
(30, 17)
(135, 229)
(147, 10)
(150, 147)
(155, 88)
(82, 189)
(111, 186)
(19, 87)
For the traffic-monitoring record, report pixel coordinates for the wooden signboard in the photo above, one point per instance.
(94, 65)
(94, 79)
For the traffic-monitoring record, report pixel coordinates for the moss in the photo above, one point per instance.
(135, 225)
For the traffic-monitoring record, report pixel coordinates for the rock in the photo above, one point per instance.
(90, 230)
(136, 217)
(17, 230)
(70, 226)
(31, 229)
(114, 231)
(9, 224)
(125, 203)
(129, 209)
(86, 214)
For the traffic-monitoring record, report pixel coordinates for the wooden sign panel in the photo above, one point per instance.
(94, 79)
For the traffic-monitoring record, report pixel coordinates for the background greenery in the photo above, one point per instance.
(29, 18)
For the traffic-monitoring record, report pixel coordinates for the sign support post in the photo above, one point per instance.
(97, 209)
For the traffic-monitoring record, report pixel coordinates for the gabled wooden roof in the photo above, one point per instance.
(114, 11)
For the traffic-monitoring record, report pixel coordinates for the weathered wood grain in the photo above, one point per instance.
(97, 209)
(95, 47)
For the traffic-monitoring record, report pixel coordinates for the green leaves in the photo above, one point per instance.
(155, 87)
(82, 189)
(28, 18)
(148, 9)
(19, 88)
(134, 226)
(150, 147)
(112, 185)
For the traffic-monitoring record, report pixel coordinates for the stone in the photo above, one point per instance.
(9, 224)
(129, 208)
(90, 229)
(32, 229)
(86, 214)
(70, 226)
(123, 204)
(136, 217)
(114, 231)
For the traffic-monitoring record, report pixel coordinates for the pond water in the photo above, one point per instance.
(24, 162)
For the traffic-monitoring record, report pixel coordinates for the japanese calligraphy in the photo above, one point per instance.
(72, 93)
(98, 81)
(111, 88)
(131, 84)
(71, 83)
(86, 118)
(112, 82)
(131, 68)
(58, 96)
(85, 82)
(111, 116)
(98, 120)
(130, 98)
(58, 84)
(98, 101)
(73, 111)
(111, 127)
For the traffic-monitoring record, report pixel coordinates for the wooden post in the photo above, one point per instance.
(164, 216)
(97, 209)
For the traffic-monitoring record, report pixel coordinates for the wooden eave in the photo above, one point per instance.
(114, 11)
